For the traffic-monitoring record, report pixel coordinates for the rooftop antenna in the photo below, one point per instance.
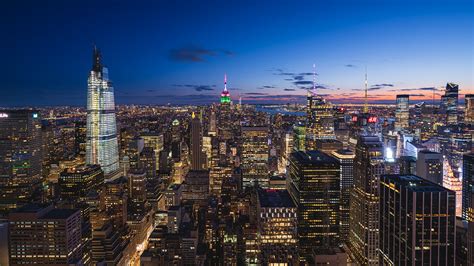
(225, 82)
(366, 103)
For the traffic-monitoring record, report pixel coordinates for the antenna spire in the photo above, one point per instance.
(366, 103)
(225, 82)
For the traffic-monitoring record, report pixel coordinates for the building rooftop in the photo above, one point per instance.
(314, 157)
(415, 183)
(59, 214)
(275, 198)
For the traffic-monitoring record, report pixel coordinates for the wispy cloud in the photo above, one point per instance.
(196, 54)
(266, 87)
(196, 87)
(289, 89)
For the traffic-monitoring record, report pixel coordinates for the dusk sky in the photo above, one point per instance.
(178, 51)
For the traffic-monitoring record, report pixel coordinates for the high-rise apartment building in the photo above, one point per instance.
(402, 112)
(314, 185)
(346, 162)
(255, 156)
(364, 214)
(102, 145)
(417, 222)
(42, 235)
(20, 158)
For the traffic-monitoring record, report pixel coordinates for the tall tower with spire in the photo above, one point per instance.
(225, 95)
(101, 144)
(319, 117)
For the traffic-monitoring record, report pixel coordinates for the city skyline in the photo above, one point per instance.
(267, 51)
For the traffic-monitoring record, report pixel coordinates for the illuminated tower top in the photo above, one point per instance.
(225, 95)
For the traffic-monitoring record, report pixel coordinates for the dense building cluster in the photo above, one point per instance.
(237, 184)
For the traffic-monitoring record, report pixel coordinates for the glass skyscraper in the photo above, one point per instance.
(403, 112)
(451, 103)
(102, 145)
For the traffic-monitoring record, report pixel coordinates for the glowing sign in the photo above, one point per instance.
(35, 115)
(372, 119)
(3, 115)
(354, 119)
(389, 155)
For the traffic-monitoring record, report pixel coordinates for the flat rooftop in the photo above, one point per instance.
(314, 157)
(415, 183)
(272, 198)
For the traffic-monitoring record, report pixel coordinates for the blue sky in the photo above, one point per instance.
(178, 51)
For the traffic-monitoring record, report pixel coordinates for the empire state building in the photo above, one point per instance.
(102, 145)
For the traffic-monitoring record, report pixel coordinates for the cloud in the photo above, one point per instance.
(418, 89)
(350, 65)
(266, 87)
(302, 82)
(196, 54)
(383, 85)
(196, 87)
(289, 89)
(319, 86)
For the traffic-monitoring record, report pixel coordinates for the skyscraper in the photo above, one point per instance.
(197, 156)
(20, 157)
(225, 95)
(43, 235)
(451, 95)
(364, 218)
(255, 156)
(102, 145)
(314, 186)
(402, 113)
(277, 222)
(429, 165)
(417, 222)
(469, 108)
(319, 117)
(76, 183)
(346, 162)
(467, 185)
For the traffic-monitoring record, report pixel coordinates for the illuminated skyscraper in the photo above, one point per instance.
(43, 235)
(417, 222)
(277, 222)
(364, 214)
(255, 156)
(20, 157)
(402, 113)
(225, 95)
(197, 156)
(102, 145)
(467, 185)
(346, 162)
(451, 103)
(469, 108)
(319, 118)
(314, 185)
